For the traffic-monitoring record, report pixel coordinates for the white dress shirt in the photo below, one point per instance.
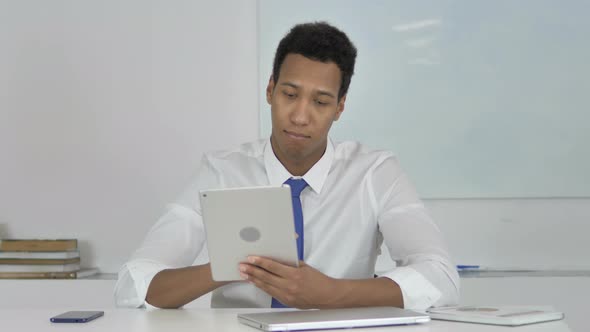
(356, 198)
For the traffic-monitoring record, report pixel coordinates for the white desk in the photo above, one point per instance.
(205, 320)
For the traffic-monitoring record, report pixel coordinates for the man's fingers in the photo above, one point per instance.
(271, 290)
(264, 280)
(274, 267)
(252, 271)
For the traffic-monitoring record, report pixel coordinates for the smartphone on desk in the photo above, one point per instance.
(76, 316)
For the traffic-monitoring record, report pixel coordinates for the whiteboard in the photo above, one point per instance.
(478, 99)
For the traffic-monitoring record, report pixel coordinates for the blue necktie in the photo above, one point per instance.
(297, 186)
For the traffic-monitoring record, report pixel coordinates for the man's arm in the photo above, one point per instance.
(305, 287)
(369, 293)
(164, 290)
(160, 271)
(173, 243)
(424, 269)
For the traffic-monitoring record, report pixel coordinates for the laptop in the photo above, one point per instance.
(332, 318)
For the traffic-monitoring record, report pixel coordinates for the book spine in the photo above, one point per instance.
(39, 254)
(38, 275)
(38, 245)
(39, 268)
(24, 261)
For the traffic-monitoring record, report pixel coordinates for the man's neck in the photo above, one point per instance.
(296, 167)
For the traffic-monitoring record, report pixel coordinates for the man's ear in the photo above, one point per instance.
(269, 89)
(340, 108)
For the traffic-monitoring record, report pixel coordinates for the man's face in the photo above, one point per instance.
(304, 103)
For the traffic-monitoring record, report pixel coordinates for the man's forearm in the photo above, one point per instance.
(174, 288)
(367, 293)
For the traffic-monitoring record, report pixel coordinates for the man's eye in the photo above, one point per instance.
(321, 103)
(288, 94)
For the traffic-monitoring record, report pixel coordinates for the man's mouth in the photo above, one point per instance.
(295, 135)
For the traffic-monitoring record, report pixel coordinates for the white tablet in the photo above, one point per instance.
(240, 222)
(503, 315)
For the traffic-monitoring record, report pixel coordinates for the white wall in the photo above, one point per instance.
(521, 233)
(106, 108)
(534, 234)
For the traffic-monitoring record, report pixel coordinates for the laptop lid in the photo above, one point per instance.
(332, 318)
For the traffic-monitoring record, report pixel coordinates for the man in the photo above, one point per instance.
(353, 199)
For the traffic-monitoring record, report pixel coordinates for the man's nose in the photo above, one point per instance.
(301, 113)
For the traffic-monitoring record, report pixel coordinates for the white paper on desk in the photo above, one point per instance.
(495, 315)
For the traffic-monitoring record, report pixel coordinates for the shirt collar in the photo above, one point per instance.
(315, 177)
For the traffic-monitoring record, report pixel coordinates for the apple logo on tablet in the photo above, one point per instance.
(250, 234)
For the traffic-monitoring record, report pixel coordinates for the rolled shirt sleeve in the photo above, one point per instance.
(133, 281)
(425, 272)
(175, 241)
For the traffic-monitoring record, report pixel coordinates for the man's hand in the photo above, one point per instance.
(173, 288)
(300, 287)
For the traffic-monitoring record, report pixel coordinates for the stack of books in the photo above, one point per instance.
(41, 259)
